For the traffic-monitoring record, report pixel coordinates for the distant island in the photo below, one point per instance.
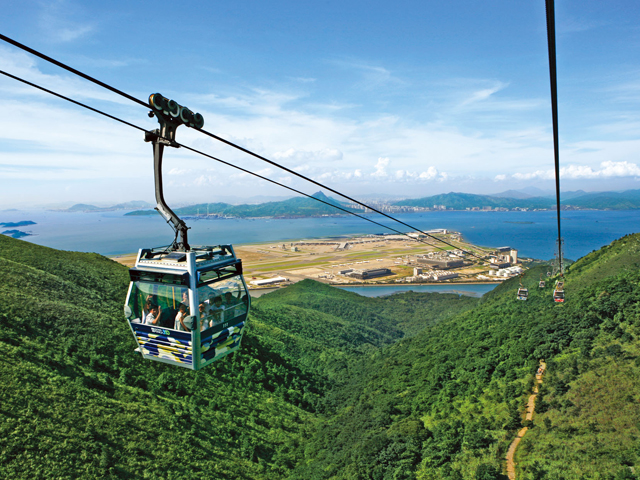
(17, 224)
(86, 208)
(291, 208)
(16, 233)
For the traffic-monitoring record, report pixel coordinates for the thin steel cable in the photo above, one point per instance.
(70, 100)
(216, 137)
(186, 147)
(71, 69)
(551, 40)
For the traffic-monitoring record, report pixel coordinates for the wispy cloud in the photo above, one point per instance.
(62, 21)
(576, 25)
(484, 94)
(372, 76)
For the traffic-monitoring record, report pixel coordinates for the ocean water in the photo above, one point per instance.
(532, 233)
(382, 290)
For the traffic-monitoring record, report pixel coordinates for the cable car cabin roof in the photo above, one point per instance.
(207, 257)
(211, 264)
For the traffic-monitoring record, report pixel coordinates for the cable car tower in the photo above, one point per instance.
(186, 305)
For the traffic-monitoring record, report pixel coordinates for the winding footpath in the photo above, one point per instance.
(531, 405)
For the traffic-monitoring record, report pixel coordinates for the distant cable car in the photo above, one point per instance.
(186, 306)
(558, 292)
(523, 293)
(542, 283)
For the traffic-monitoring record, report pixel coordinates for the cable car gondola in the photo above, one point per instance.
(542, 283)
(523, 293)
(558, 292)
(186, 306)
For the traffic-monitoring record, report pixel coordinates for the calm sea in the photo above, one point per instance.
(380, 291)
(532, 233)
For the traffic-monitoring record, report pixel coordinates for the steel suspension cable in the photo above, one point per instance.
(72, 70)
(216, 137)
(186, 147)
(551, 40)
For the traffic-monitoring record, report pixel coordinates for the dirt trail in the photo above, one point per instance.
(531, 405)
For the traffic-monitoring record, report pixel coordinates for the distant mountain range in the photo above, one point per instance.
(83, 207)
(293, 207)
(307, 207)
(627, 200)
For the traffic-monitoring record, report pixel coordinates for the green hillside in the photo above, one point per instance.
(627, 200)
(327, 384)
(446, 403)
(462, 201)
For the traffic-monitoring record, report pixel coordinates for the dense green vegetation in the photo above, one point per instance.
(327, 384)
(293, 207)
(461, 201)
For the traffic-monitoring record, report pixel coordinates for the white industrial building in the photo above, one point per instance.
(268, 281)
(507, 272)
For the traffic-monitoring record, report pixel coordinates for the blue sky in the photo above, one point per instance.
(410, 99)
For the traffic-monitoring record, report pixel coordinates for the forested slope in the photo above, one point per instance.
(445, 403)
(78, 402)
(327, 384)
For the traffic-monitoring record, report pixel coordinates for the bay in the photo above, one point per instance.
(471, 290)
(532, 233)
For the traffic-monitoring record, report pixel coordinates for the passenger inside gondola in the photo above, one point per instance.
(153, 316)
(166, 299)
(180, 318)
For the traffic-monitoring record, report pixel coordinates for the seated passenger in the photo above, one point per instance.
(185, 298)
(230, 300)
(179, 322)
(216, 311)
(153, 316)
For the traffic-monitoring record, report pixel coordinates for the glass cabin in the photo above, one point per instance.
(558, 292)
(187, 308)
(523, 293)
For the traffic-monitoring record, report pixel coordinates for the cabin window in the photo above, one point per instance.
(222, 302)
(157, 304)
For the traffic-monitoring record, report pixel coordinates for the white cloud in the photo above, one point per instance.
(381, 168)
(179, 171)
(323, 155)
(607, 169)
(431, 173)
(485, 93)
(72, 33)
